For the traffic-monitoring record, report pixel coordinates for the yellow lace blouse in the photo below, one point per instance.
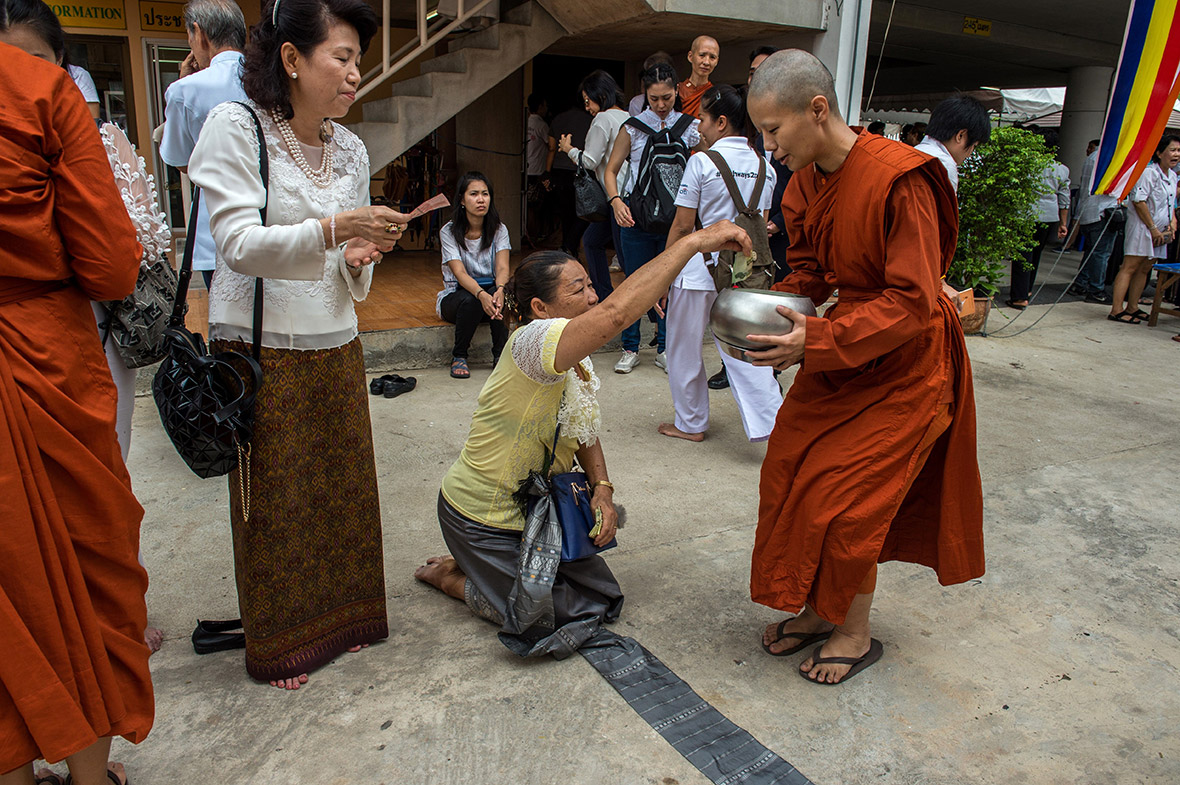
(514, 422)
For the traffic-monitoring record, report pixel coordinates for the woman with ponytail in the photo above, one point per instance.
(705, 195)
(545, 386)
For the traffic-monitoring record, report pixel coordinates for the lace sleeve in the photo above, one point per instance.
(138, 189)
(534, 347)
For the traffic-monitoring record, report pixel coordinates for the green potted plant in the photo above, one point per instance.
(998, 187)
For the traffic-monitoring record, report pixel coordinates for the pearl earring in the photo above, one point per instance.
(294, 75)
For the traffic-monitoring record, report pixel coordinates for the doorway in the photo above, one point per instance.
(108, 59)
(163, 59)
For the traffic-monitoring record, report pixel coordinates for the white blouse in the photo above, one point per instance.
(308, 291)
(138, 189)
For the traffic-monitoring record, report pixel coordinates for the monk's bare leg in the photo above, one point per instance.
(806, 623)
(668, 429)
(89, 767)
(443, 573)
(850, 639)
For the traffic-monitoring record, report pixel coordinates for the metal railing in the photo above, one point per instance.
(431, 29)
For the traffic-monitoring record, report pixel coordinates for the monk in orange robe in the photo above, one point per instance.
(873, 456)
(703, 57)
(74, 669)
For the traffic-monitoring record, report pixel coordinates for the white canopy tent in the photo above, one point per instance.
(1039, 105)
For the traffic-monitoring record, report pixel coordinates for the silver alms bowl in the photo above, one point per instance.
(741, 312)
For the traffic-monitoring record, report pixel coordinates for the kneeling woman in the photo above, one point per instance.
(546, 379)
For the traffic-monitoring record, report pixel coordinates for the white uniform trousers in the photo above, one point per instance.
(755, 389)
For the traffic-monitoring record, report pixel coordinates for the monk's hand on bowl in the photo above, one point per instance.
(783, 350)
(723, 236)
(604, 499)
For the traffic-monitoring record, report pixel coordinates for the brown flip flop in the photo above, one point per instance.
(858, 663)
(806, 639)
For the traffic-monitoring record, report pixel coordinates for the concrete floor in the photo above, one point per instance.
(1058, 667)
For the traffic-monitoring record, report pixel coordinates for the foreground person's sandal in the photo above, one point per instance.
(112, 776)
(459, 369)
(1126, 317)
(805, 640)
(858, 663)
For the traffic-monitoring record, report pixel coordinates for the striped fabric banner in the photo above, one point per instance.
(1145, 89)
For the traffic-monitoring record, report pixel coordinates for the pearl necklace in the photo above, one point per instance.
(324, 175)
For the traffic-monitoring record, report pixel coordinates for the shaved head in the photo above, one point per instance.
(701, 40)
(791, 79)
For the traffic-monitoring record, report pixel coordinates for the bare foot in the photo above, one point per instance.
(807, 622)
(443, 573)
(118, 770)
(290, 684)
(355, 649)
(154, 638)
(668, 429)
(841, 644)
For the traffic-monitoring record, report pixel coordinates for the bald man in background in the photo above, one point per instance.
(873, 455)
(703, 57)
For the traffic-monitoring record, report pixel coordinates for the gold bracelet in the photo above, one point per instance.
(605, 483)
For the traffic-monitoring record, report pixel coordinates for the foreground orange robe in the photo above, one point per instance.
(841, 487)
(74, 665)
(690, 97)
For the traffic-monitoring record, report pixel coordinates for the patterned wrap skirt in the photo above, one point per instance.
(308, 558)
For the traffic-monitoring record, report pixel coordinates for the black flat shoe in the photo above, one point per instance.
(377, 386)
(719, 380)
(400, 387)
(208, 639)
(211, 625)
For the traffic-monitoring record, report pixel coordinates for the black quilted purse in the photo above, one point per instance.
(205, 402)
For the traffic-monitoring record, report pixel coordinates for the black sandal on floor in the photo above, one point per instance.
(858, 663)
(1126, 317)
(1141, 314)
(400, 387)
(1011, 304)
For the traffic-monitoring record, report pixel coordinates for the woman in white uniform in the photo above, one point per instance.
(703, 194)
(1151, 225)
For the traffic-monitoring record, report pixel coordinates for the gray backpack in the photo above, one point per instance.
(760, 274)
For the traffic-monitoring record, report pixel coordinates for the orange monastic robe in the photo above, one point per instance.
(74, 665)
(843, 484)
(690, 97)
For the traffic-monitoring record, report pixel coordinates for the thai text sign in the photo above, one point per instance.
(161, 17)
(106, 14)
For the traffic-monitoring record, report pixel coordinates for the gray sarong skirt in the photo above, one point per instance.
(584, 590)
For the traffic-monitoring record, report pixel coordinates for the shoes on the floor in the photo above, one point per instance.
(391, 385)
(1099, 297)
(662, 361)
(615, 267)
(627, 362)
(1076, 291)
(719, 380)
(213, 636)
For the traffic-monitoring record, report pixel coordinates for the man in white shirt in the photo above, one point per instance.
(1099, 234)
(536, 151)
(85, 83)
(957, 125)
(210, 75)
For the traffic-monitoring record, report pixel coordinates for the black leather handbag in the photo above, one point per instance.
(206, 401)
(589, 199)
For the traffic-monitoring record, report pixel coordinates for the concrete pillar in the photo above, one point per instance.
(495, 122)
(1086, 95)
(843, 49)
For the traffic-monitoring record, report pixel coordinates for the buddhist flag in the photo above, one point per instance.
(1145, 89)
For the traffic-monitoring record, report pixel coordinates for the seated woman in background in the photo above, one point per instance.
(547, 381)
(475, 248)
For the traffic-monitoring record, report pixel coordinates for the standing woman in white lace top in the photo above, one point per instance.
(307, 554)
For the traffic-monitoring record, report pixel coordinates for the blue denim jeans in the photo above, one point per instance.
(597, 236)
(639, 248)
(1092, 278)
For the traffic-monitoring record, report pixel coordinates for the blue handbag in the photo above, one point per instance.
(570, 495)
